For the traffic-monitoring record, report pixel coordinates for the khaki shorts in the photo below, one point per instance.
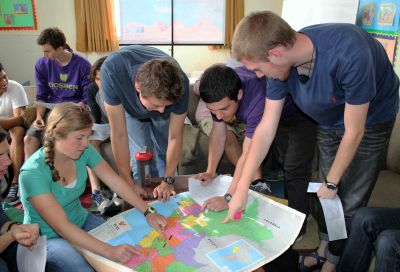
(237, 128)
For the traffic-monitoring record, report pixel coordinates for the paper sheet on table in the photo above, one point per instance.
(35, 260)
(49, 106)
(334, 218)
(217, 187)
(101, 132)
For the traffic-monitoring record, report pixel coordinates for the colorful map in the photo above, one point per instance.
(197, 241)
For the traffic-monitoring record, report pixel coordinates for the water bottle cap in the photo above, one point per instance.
(143, 156)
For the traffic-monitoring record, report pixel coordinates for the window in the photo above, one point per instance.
(150, 21)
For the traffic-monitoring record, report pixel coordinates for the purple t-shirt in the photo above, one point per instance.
(57, 84)
(251, 107)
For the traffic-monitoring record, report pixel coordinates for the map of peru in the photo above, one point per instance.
(195, 240)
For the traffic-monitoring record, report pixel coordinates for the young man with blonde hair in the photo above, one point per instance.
(341, 77)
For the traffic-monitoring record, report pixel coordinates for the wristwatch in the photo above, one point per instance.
(330, 185)
(11, 224)
(169, 180)
(150, 210)
(227, 197)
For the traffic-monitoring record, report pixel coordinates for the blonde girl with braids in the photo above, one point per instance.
(53, 179)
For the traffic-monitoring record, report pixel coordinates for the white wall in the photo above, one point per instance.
(19, 51)
(255, 5)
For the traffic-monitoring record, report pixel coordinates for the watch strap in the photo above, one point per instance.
(149, 210)
(227, 197)
(330, 185)
(11, 224)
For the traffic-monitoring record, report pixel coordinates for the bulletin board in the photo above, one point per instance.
(17, 15)
(381, 19)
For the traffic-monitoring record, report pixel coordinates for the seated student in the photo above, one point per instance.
(241, 93)
(13, 101)
(53, 179)
(235, 130)
(96, 105)
(61, 76)
(12, 233)
(373, 229)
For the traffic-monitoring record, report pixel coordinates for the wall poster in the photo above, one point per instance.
(381, 18)
(17, 15)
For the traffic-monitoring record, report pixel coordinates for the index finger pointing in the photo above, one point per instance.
(204, 206)
(227, 219)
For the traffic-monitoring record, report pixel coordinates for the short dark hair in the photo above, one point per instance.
(96, 67)
(161, 78)
(1, 67)
(3, 134)
(53, 36)
(219, 81)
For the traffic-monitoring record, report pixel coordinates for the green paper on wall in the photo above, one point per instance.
(17, 15)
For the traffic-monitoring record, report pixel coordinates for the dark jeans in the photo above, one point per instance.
(373, 229)
(32, 131)
(9, 256)
(63, 257)
(296, 140)
(359, 179)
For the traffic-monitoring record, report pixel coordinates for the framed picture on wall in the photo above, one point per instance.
(17, 15)
(379, 16)
(389, 42)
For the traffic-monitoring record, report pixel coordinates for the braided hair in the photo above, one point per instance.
(63, 119)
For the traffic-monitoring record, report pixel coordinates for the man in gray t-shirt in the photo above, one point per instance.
(146, 99)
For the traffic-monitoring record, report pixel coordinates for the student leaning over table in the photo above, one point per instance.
(146, 99)
(340, 76)
(53, 179)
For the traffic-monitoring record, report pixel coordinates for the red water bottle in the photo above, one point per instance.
(143, 160)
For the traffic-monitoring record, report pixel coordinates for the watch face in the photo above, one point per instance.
(228, 197)
(150, 210)
(169, 180)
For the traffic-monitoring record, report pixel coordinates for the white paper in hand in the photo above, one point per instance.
(334, 218)
(313, 187)
(35, 260)
(218, 187)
